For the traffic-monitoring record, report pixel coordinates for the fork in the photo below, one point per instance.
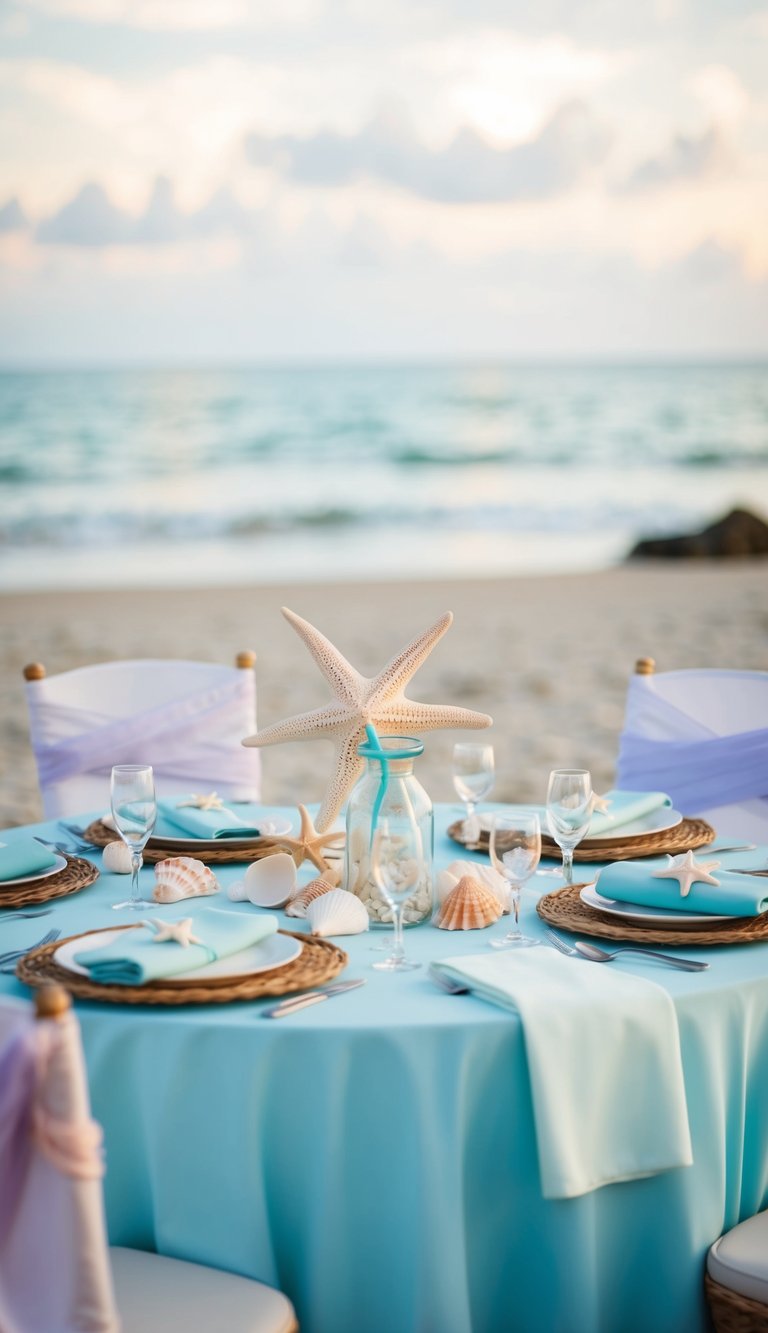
(594, 954)
(13, 955)
(448, 984)
(17, 911)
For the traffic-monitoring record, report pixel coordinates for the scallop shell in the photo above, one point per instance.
(315, 889)
(116, 858)
(485, 874)
(182, 877)
(337, 912)
(269, 882)
(469, 906)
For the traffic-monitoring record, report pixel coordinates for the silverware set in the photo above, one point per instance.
(594, 954)
(296, 1002)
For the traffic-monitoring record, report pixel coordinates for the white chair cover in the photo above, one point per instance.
(186, 719)
(701, 736)
(54, 1268)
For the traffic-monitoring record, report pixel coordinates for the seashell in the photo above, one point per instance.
(469, 906)
(269, 882)
(116, 858)
(337, 912)
(484, 874)
(182, 877)
(315, 889)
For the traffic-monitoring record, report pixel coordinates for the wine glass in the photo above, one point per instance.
(515, 848)
(569, 809)
(473, 778)
(134, 810)
(397, 866)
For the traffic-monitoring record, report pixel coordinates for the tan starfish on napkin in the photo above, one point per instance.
(687, 870)
(179, 931)
(600, 803)
(210, 802)
(361, 700)
(309, 844)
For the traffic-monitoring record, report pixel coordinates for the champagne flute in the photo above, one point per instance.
(515, 848)
(134, 810)
(473, 778)
(569, 810)
(396, 868)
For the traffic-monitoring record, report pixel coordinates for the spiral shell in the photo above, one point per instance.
(315, 889)
(337, 912)
(182, 877)
(469, 906)
(269, 882)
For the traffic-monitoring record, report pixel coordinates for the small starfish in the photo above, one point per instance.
(211, 802)
(688, 871)
(600, 803)
(180, 931)
(361, 700)
(310, 843)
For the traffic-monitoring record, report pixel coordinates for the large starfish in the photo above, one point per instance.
(687, 871)
(362, 700)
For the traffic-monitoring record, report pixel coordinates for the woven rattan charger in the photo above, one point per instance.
(684, 837)
(318, 962)
(76, 875)
(100, 835)
(564, 909)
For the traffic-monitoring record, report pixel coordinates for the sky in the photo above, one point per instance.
(188, 181)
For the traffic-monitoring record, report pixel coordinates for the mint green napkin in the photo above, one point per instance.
(603, 1053)
(25, 857)
(733, 895)
(221, 823)
(625, 807)
(134, 957)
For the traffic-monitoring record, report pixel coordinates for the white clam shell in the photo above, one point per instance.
(116, 858)
(337, 912)
(183, 877)
(270, 882)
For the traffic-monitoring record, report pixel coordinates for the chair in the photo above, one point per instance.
(701, 736)
(186, 719)
(736, 1281)
(56, 1272)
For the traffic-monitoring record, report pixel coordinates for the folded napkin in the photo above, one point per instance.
(624, 807)
(25, 857)
(134, 956)
(221, 823)
(638, 882)
(604, 1060)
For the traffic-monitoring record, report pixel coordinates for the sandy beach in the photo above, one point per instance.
(547, 657)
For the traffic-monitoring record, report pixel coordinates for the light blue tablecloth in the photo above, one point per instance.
(375, 1156)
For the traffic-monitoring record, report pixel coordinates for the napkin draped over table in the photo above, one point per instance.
(606, 1074)
(221, 823)
(134, 957)
(26, 856)
(624, 807)
(733, 895)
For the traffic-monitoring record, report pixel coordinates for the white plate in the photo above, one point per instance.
(651, 916)
(658, 821)
(274, 951)
(60, 864)
(268, 828)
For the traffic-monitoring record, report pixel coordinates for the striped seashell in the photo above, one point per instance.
(337, 912)
(486, 874)
(315, 889)
(182, 877)
(469, 906)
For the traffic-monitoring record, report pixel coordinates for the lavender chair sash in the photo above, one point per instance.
(698, 774)
(182, 738)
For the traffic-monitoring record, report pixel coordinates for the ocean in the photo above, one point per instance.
(221, 476)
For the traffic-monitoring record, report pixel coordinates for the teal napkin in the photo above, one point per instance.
(603, 1054)
(733, 895)
(625, 807)
(134, 957)
(221, 823)
(25, 857)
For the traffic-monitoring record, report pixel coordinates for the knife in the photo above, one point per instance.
(310, 997)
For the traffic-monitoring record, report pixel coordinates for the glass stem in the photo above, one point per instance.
(568, 865)
(136, 864)
(398, 950)
(516, 904)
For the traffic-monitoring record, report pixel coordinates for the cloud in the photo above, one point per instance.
(468, 170)
(90, 219)
(180, 15)
(687, 157)
(12, 217)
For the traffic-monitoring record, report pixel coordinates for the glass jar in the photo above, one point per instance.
(388, 790)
